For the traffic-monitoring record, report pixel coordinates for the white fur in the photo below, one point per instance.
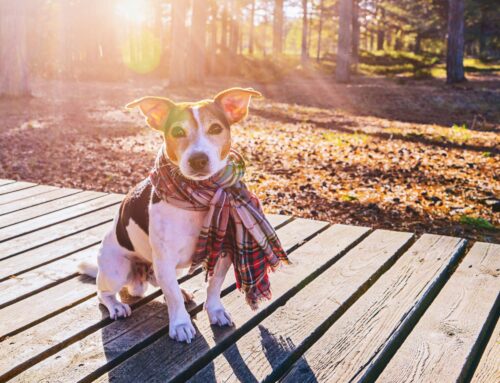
(173, 234)
(201, 144)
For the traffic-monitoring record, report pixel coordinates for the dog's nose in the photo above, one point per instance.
(198, 161)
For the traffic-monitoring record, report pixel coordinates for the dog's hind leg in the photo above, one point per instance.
(112, 275)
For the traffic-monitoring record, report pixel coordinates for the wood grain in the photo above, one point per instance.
(25, 193)
(55, 232)
(268, 346)
(15, 266)
(380, 315)
(15, 187)
(488, 369)
(46, 338)
(44, 304)
(19, 286)
(36, 200)
(4, 181)
(99, 201)
(41, 211)
(445, 339)
(168, 359)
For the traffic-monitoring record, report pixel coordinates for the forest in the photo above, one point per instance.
(375, 112)
(186, 41)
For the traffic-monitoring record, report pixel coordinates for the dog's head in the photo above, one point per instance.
(197, 134)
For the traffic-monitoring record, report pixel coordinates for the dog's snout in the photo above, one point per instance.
(198, 161)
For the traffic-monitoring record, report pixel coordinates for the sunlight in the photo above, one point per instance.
(134, 11)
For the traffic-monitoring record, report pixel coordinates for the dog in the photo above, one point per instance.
(151, 240)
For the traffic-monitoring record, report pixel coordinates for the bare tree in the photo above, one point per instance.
(14, 73)
(278, 27)
(304, 53)
(320, 29)
(342, 71)
(197, 50)
(178, 73)
(251, 36)
(355, 35)
(455, 47)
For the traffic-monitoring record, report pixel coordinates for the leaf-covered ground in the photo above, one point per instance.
(377, 152)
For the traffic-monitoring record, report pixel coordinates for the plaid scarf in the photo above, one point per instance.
(235, 224)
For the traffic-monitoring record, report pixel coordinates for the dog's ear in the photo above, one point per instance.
(235, 102)
(155, 109)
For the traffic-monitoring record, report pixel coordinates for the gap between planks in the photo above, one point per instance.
(277, 220)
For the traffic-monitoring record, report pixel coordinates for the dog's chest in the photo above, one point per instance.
(174, 231)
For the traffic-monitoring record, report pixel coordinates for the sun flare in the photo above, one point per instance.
(134, 11)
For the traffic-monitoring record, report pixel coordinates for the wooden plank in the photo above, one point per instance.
(47, 208)
(55, 232)
(381, 316)
(44, 304)
(36, 200)
(173, 361)
(15, 187)
(277, 220)
(59, 216)
(319, 304)
(488, 369)
(24, 193)
(4, 181)
(47, 337)
(443, 344)
(14, 266)
(19, 286)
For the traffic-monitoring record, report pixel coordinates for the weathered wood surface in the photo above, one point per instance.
(24, 193)
(445, 340)
(38, 199)
(371, 325)
(488, 369)
(12, 187)
(89, 350)
(55, 232)
(41, 212)
(353, 306)
(167, 359)
(268, 346)
(94, 204)
(5, 181)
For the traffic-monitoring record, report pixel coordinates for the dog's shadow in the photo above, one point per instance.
(125, 337)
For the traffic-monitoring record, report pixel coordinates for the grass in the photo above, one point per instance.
(480, 223)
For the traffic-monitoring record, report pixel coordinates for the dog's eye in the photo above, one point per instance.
(178, 132)
(215, 129)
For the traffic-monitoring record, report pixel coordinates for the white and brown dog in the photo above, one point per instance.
(149, 233)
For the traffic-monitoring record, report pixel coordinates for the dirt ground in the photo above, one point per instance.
(383, 153)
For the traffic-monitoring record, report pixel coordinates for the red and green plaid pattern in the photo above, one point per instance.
(235, 224)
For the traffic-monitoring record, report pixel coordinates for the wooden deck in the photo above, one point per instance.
(356, 305)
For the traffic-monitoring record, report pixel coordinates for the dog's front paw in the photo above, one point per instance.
(182, 332)
(118, 310)
(219, 316)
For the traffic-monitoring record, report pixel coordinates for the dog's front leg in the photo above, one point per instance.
(180, 326)
(217, 314)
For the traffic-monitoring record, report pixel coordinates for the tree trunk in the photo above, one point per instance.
(418, 42)
(455, 48)
(342, 71)
(213, 37)
(197, 49)
(14, 73)
(304, 56)
(355, 35)
(278, 27)
(252, 29)
(320, 29)
(381, 30)
(178, 75)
